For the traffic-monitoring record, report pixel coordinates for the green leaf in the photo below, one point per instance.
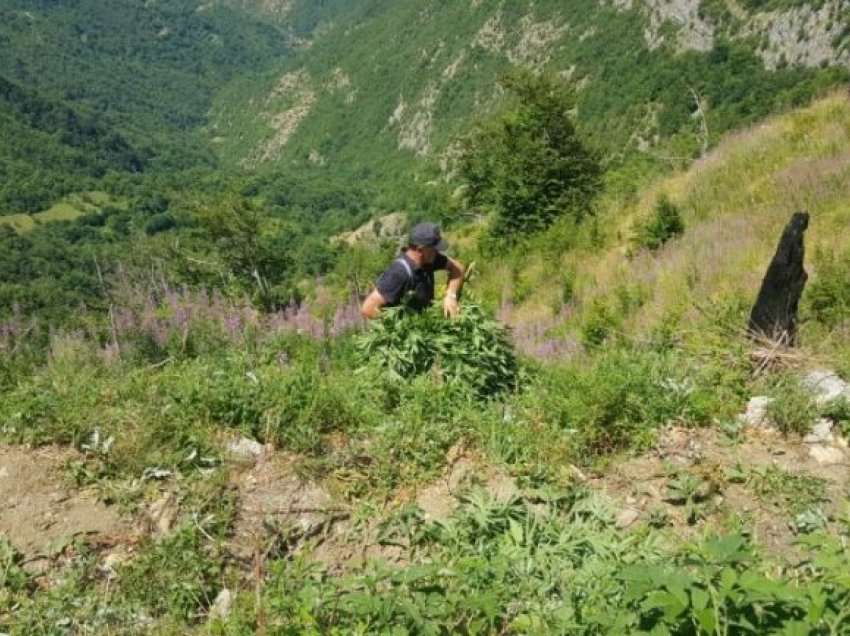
(706, 619)
(699, 598)
(669, 604)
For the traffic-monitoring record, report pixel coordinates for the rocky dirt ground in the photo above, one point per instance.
(759, 477)
(690, 481)
(41, 513)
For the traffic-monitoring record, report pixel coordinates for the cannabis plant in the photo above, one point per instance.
(471, 351)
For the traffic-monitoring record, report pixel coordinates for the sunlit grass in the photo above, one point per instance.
(734, 202)
(71, 207)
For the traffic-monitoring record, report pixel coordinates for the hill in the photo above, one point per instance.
(734, 204)
(617, 478)
(88, 89)
(386, 85)
(199, 435)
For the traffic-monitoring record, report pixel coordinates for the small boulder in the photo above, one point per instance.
(162, 514)
(821, 433)
(827, 455)
(627, 517)
(244, 449)
(826, 386)
(220, 609)
(111, 563)
(756, 414)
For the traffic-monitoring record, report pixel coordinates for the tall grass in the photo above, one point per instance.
(734, 203)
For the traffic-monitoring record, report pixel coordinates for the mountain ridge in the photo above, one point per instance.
(417, 73)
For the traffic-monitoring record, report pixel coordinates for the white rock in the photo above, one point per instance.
(827, 455)
(162, 514)
(245, 448)
(756, 413)
(111, 563)
(826, 386)
(821, 433)
(220, 608)
(627, 517)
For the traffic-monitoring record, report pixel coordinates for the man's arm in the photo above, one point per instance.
(371, 307)
(456, 273)
(388, 290)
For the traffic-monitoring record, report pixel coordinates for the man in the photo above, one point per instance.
(410, 278)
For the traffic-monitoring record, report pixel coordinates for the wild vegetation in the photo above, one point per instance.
(181, 345)
(152, 392)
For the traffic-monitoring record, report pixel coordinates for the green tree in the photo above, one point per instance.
(527, 166)
(252, 248)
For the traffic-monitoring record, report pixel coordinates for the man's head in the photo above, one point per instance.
(426, 241)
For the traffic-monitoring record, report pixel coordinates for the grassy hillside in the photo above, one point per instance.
(734, 204)
(290, 482)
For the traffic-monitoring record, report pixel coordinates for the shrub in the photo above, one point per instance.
(528, 166)
(291, 406)
(160, 223)
(792, 409)
(472, 351)
(598, 325)
(665, 224)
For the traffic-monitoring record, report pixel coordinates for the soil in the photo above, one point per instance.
(640, 483)
(40, 514)
(278, 510)
(281, 511)
(463, 471)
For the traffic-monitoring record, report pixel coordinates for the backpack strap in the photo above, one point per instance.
(406, 267)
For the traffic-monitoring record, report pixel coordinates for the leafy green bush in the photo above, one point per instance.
(665, 224)
(472, 351)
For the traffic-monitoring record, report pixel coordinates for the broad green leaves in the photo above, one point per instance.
(471, 352)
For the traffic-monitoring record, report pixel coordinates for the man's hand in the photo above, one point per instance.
(456, 273)
(371, 308)
(451, 308)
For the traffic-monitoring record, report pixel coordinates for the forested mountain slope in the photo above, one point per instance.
(89, 87)
(385, 82)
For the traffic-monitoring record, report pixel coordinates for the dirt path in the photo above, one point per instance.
(40, 514)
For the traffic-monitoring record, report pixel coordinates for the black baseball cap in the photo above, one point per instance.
(427, 235)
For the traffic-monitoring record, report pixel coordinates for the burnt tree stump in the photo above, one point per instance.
(774, 315)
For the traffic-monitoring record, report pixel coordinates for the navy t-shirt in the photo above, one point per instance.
(414, 287)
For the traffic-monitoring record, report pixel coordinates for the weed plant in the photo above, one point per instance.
(618, 399)
(665, 224)
(793, 408)
(471, 351)
(507, 567)
(828, 295)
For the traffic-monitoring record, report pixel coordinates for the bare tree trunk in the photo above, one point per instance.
(774, 316)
